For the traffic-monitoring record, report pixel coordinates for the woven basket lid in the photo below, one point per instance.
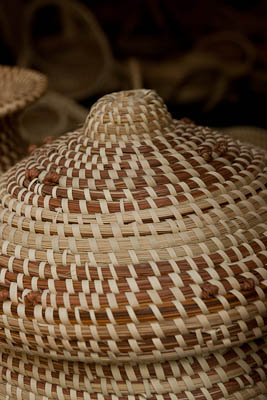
(133, 261)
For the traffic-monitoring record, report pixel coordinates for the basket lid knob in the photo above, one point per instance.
(128, 113)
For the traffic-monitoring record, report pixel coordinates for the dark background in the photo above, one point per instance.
(208, 59)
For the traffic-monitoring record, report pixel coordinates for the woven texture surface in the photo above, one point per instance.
(19, 88)
(133, 261)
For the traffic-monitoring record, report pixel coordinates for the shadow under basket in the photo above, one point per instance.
(133, 261)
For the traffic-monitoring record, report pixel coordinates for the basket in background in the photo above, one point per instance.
(19, 88)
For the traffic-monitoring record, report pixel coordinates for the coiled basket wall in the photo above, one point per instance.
(134, 262)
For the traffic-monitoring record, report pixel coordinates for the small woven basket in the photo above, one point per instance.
(133, 261)
(19, 88)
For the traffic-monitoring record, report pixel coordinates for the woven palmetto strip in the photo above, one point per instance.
(133, 261)
(19, 88)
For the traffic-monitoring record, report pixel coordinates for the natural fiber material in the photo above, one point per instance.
(18, 88)
(133, 255)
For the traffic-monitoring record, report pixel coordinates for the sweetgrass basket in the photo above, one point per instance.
(133, 261)
(19, 88)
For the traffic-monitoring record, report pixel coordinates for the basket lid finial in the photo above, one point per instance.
(138, 113)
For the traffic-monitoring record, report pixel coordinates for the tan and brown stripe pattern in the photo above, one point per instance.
(133, 262)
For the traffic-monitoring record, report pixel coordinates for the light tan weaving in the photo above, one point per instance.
(19, 87)
(133, 262)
